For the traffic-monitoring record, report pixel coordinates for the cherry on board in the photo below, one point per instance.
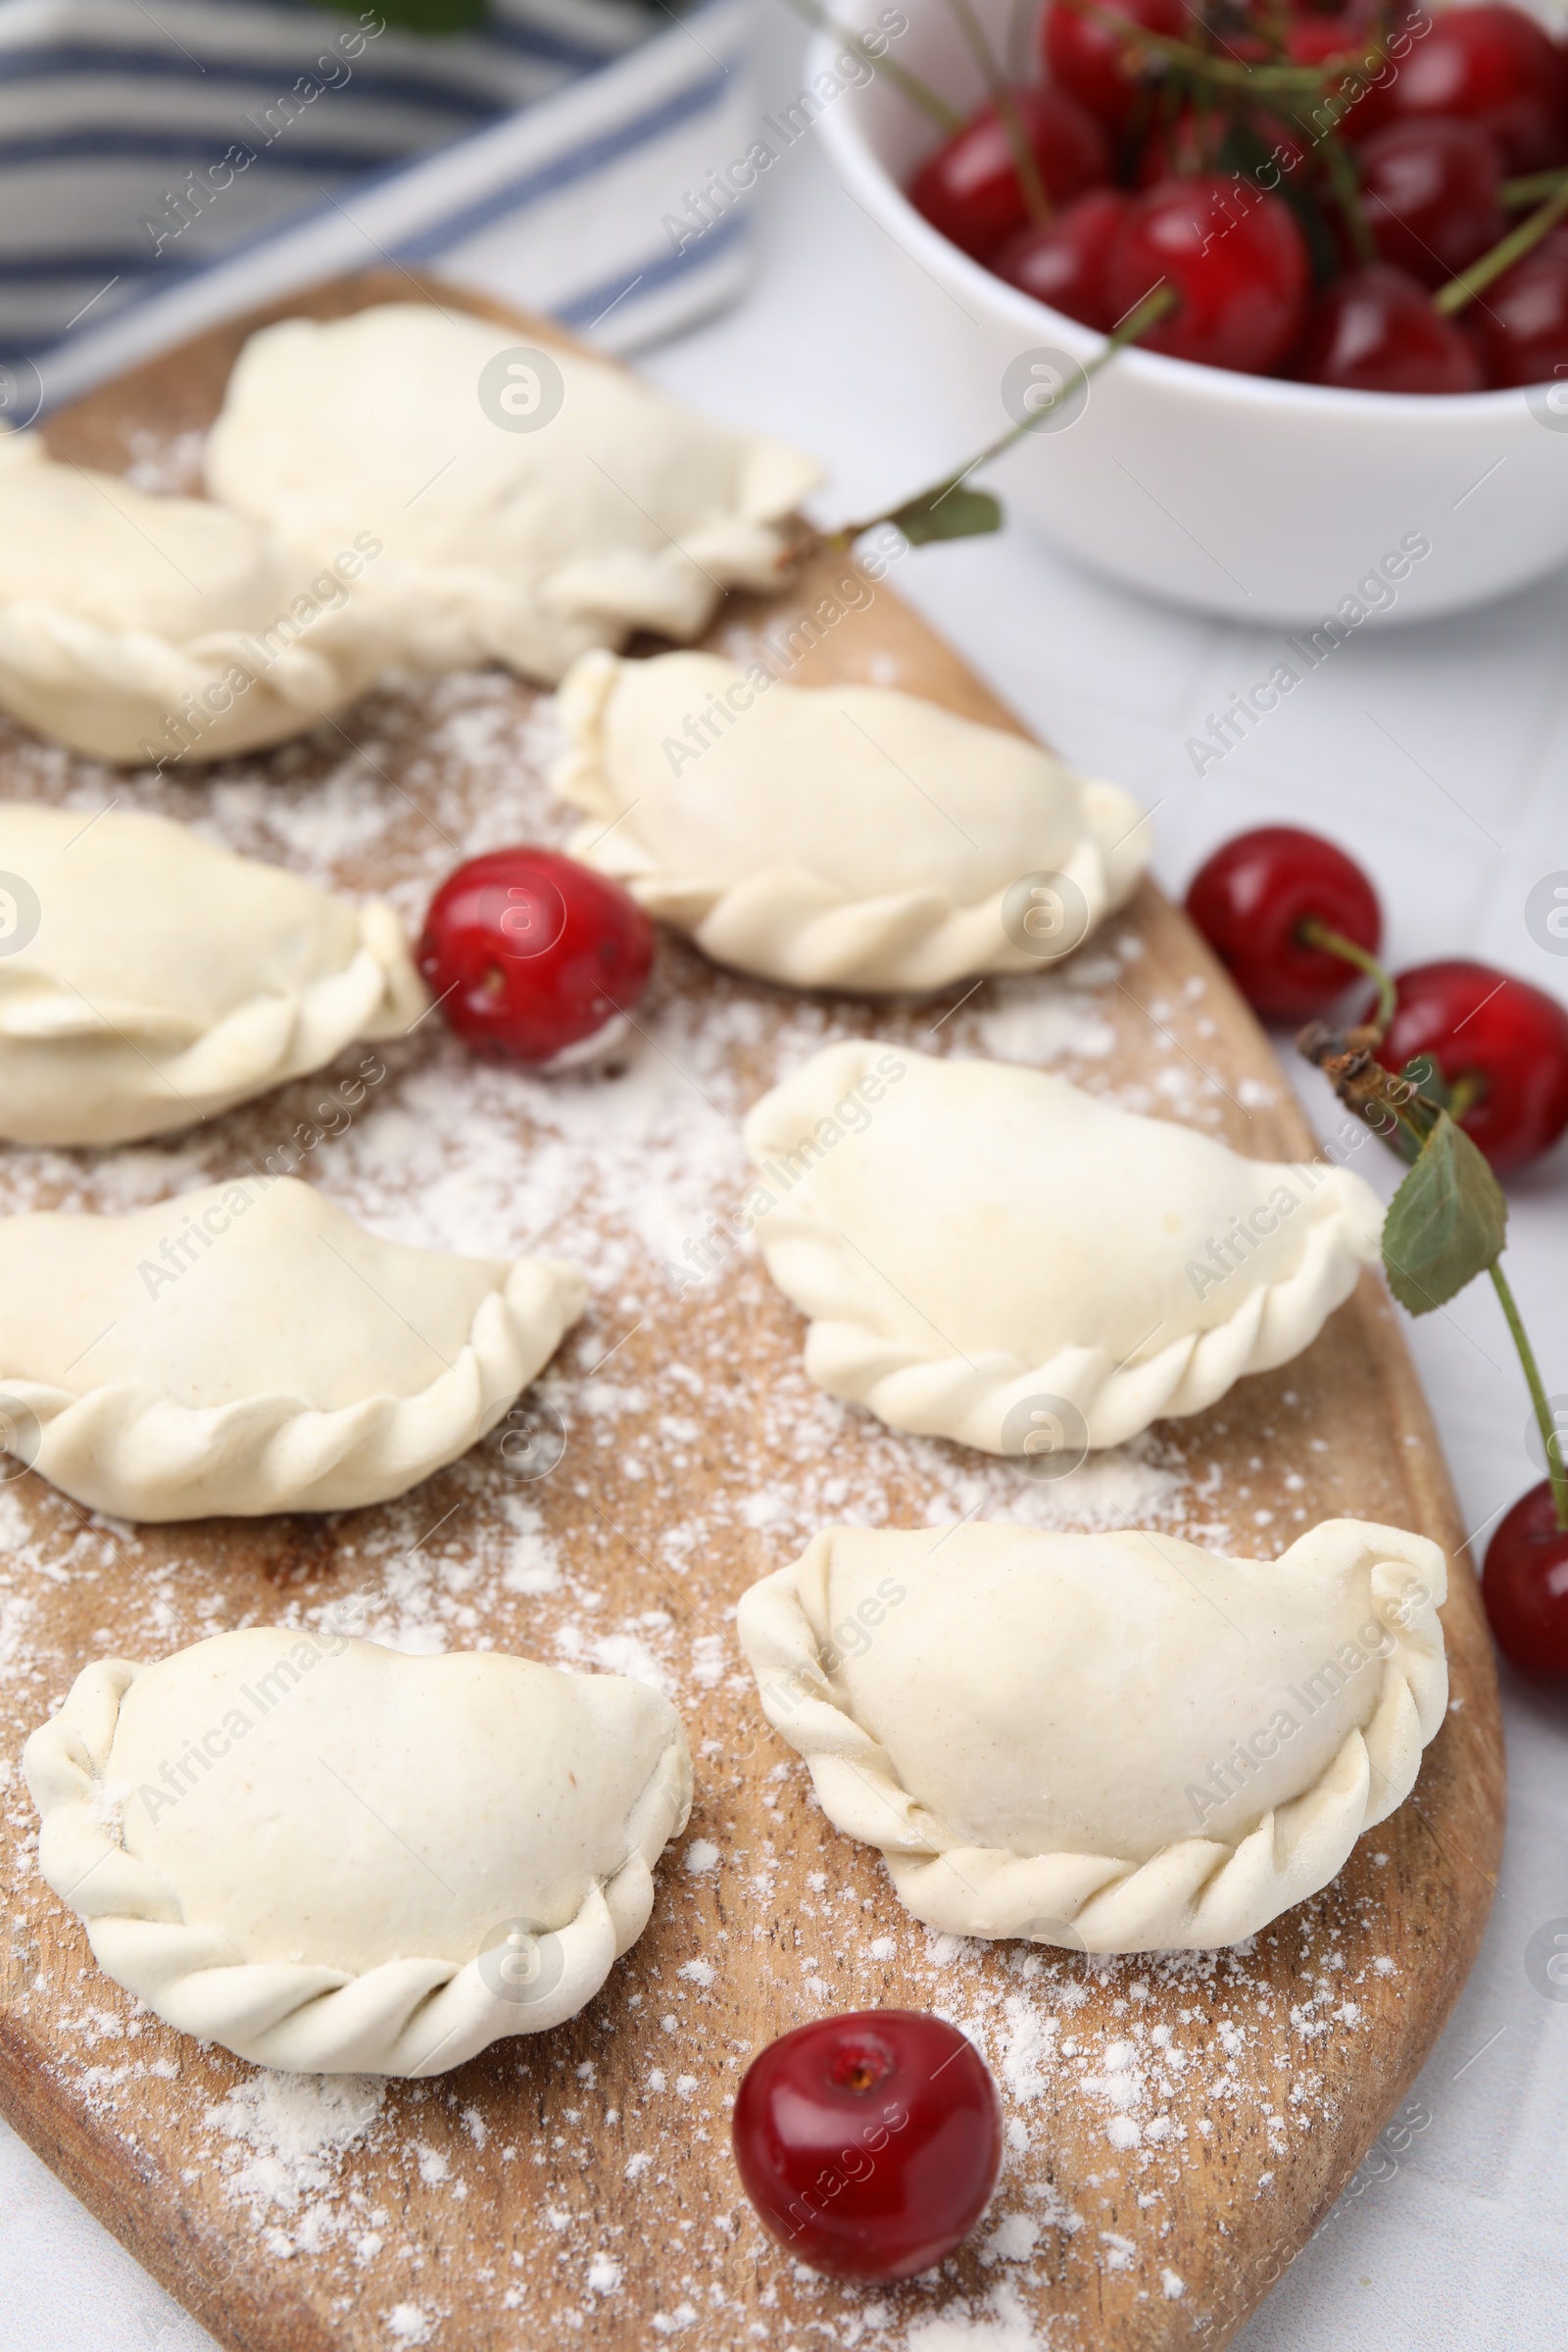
(533, 958)
(1375, 330)
(1088, 56)
(1431, 193)
(869, 2144)
(1523, 1583)
(1249, 901)
(1235, 258)
(1489, 1032)
(1062, 262)
(970, 189)
(1493, 66)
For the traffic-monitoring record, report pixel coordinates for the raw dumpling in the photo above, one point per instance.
(1116, 1742)
(985, 1253)
(506, 540)
(837, 836)
(248, 1347)
(334, 1859)
(162, 629)
(149, 980)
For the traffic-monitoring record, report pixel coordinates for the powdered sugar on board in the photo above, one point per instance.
(577, 2186)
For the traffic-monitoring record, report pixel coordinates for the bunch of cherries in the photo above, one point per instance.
(1362, 196)
(1499, 1048)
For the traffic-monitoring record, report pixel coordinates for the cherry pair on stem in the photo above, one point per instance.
(1458, 1065)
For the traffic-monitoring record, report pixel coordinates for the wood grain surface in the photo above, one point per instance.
(1177, 2127)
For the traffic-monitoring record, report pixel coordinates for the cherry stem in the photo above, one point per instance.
(1347, 195)
(1203, 64)
(1025, 160)
(1405, 1123)
(1318, 934)
(918, 92)
(1518, 242)
(1517, 193)
(1146, 313)
(1465, 1093)
(1556, 1472)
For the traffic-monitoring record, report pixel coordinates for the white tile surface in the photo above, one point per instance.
(1439, 756)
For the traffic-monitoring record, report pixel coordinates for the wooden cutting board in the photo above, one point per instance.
(1176, 2128)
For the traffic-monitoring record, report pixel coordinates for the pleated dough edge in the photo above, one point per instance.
(404, 2017)
(111, 693)
(136, 1453)
(259, 1044)
(968, 1399)
(784, 924)
(1193, 1896)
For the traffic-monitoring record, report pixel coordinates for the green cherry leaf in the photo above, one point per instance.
(943, 513)
(1446, 1224)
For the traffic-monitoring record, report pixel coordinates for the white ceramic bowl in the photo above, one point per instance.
(1270, 501)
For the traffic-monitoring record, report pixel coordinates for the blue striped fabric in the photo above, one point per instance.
(162, 167)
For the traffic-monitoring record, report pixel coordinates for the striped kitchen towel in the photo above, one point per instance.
(169, 165)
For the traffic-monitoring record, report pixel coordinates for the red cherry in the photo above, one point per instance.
(1479, 1024)
(1375, 330)
(869, 2144)
(1522, 323)
(1191, 144)
(1249, 901)
(531, 955)
(1098, 65)
(1234, 256)
(1311, 41)
(969, 189)
(1063, 260)
(1429, 191)
(1525, 1586)
(1493, 66)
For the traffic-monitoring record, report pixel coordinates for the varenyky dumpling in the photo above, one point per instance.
(336, 1859)
(983, 1250)
(837, 836)
(1115, 1743)
(249, 1347)
(166, 629)
(149, 980)
(532, 504)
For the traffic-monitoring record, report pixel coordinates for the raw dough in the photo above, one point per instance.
(149, 980)
(837, 836)
(1114, 1742)
(333, 1859)
(165, 629)
(621, 511)
(249, 1347)
(978, 1245)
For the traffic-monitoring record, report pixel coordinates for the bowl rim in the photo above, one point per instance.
(846, 137)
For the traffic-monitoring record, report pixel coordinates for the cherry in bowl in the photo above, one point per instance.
(1376, 330)
(1250, 901)
(535, 959)
(970, 189)
(869, 2143)
(1234, 260)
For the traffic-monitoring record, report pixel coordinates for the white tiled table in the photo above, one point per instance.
(1439, 756)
